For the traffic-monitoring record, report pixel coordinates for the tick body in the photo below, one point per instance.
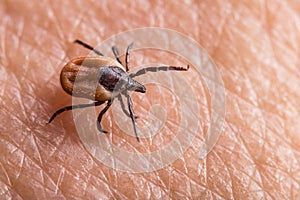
(103, 79)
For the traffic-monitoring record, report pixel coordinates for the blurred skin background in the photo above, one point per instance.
(255, 46)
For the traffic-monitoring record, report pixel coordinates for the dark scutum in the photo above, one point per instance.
(113, 78)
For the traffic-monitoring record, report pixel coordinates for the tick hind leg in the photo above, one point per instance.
(88, 47)
(72, 107)
(159, 68)
(101, 115)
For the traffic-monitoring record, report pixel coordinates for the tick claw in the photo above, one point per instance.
(103, 131)
(100, 128)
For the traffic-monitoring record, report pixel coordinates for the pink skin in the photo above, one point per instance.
(255, 46)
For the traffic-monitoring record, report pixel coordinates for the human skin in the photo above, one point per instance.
(255, 46)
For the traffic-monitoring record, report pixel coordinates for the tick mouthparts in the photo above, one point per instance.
(135, 86)
(141, 89)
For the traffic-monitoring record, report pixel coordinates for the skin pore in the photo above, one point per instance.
(255, 48)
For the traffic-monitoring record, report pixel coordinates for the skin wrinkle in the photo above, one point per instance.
(6, 182)
(22, 162)
(229, 168)
(260, 175)
(59, 180)
(217, 191)
(102, 182)
(42, 175)
(37, 150)
(56, 22)
(65, 169)
(9, 192)
(251, 156)
(185, 194)
(153, 184)
(272, 126)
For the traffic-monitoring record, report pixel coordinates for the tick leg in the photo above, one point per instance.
(123, 107)
(88, 47)
(129, 101)
(101, 115)
(116, 53)
(159, 68)
(72, 107)
(127, 57)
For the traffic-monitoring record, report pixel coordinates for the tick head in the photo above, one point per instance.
(133, 85)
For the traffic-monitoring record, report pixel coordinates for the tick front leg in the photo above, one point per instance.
(101, 115)
(127, 56)
(159, 68)
(132, 116)
(123, 107)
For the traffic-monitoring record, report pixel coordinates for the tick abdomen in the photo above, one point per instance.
(80, 77)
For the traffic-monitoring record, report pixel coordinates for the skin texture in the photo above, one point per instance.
(255, 46)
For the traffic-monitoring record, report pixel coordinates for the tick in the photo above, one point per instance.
(113, 82)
